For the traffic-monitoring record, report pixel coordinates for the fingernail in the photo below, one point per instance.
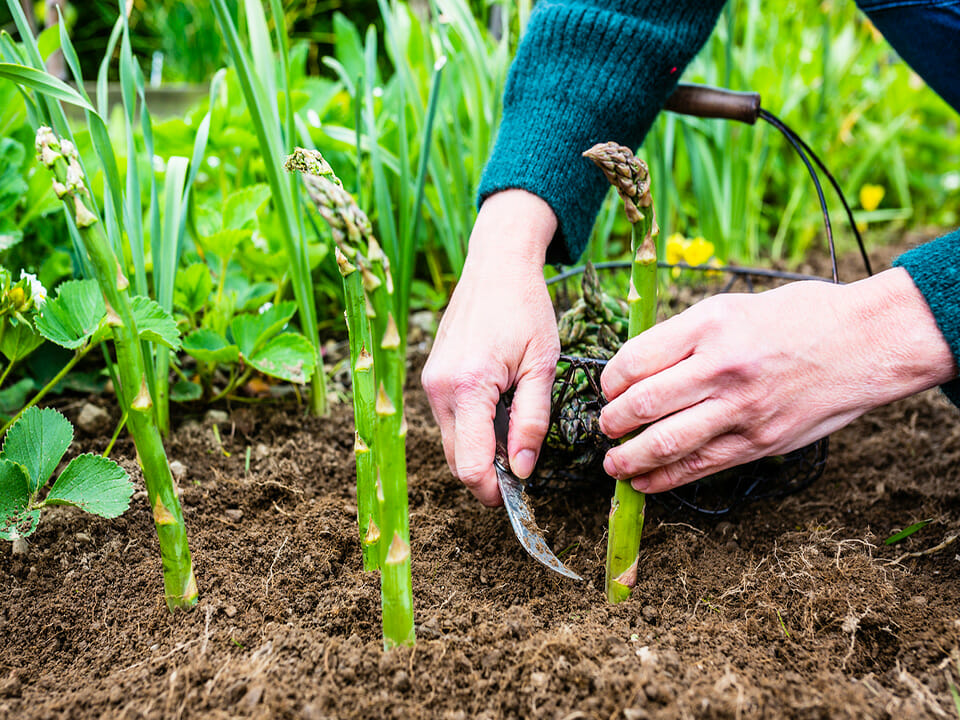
(640, 483)
(522, 464)
(609, 467)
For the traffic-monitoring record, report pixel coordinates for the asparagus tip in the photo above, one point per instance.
(309, 162)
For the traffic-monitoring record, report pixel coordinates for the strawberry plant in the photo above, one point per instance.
(32, 450)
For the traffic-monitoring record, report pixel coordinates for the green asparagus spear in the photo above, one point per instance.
(371, 320)
(630, 176)
(180, 585)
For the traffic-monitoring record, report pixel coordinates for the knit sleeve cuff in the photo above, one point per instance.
(935, 270)
(585, 73)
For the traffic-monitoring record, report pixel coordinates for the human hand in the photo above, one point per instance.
(739, 377)
(499, 331)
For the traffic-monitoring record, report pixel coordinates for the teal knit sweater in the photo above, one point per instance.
(589, 71)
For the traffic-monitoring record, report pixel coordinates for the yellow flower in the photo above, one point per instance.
(676, 245)
(870, 196)
(698, 251)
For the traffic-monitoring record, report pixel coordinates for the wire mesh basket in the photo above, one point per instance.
(575, 449)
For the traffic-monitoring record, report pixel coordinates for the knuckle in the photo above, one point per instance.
(471, 474)
(641, 403)
(693, 466)
(436, 380)
(765, 436)
(663, 446)
(466, 384)
(713, 311)
(429, 378)
(542, 366)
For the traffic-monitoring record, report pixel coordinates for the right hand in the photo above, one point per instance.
(499, 331)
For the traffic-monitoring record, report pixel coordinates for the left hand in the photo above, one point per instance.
(739, 377)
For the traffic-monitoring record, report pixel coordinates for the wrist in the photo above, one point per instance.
(911, 353)
(513, 227)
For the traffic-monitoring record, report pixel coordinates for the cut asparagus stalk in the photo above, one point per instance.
(354, 238)
(180, 586)
(631, 178)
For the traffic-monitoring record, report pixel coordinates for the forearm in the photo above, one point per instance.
(586, 72)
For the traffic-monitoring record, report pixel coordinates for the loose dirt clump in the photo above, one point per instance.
(785, 609)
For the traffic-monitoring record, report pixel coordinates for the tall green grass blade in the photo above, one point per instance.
(133, 209)
(44, 83)
(166, 256)
(261, 51)
(412, 240)
(381, 188)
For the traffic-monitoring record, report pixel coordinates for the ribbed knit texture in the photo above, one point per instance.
(935, 270)
(587, 72)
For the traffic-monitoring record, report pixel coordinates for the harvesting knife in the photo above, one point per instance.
(516, 502)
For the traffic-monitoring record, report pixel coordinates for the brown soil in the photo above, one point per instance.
(792, 608)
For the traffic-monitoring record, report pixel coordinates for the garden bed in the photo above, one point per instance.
(789, 608)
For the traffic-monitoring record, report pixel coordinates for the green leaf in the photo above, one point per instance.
(249, 296)
(906, 532)
(16, 520)
(37, 441)
(207, 345)
(71, 318)
(240, 209)
(348, 46)
(19, 341)
(154, 324)
(287, 357)
(223, 242)
(48, 41)
(93, 483)
(251, 330)
(15, 397)
(185, 391)
(44, 83)
(193, 288)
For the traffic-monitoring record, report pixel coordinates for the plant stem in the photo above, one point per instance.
(632, 180)
(364, 410)
(116, 434)
(266, 125)
(373, 324)
(180, 587)
(3, 377)
(628, 505)
(395, 573)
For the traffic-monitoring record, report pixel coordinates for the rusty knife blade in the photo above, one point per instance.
(517, 504)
